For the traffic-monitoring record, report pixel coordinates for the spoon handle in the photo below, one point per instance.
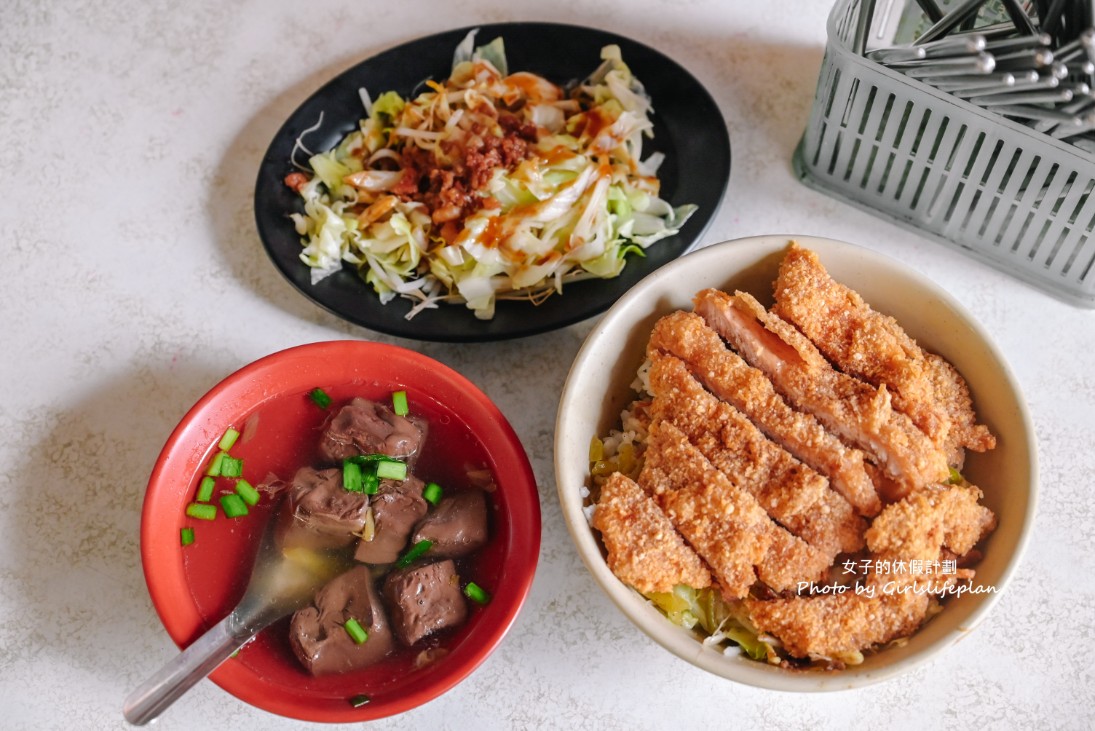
(152, 697)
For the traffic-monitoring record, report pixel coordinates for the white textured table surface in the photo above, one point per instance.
(133, 280)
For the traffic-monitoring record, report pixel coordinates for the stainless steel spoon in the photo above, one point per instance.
(281, 582)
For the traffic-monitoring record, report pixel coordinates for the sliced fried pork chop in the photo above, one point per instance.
(793, 494)
(724, 524)
(644, 550)
(894, 602)
(850, 408)
(837, 626)
(921, 525)
(874, 347)
(728, 376)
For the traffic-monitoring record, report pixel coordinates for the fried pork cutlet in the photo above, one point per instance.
(921, 525)
(893, 605)
(836, 626)
(724, 524)
(747, 458)
(644, 550)
(793, 494)
(874, 347)
(724, 373)
(851, 408)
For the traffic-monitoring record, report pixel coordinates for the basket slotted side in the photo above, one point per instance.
(1006, 194)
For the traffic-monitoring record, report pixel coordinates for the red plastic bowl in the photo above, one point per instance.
(193, 587)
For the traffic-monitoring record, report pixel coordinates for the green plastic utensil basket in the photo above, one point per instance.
(1001, 192)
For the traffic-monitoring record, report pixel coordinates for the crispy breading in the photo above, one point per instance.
(954, 394)
(890, 605)
(723, 523)
(850, 408)
(790, 561)
(874, 347)
(778, 481)
(834, 626)
(720, 524)
(793, 494)
(832, 525)
(644, 550)
(725, 374)
(923, 523)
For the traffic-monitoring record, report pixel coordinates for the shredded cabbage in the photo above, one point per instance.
(408, 200)
(705, 611)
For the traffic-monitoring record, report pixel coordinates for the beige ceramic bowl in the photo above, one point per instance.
(598, 387)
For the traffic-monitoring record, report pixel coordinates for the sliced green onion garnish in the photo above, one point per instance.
(356, 631)
(391, 470)
(955, 476)
(432, 493)
(352, 476)
(399, 403)
(205, 489)
(370, 459)
(370, 482)
(229, 438)
(247, 492)
(233, 506)
(476, 593)
(215, 464)
(186, 535)
(416, 552)
(360, 700)
(320, 398)
(231, 467)
(201, 511)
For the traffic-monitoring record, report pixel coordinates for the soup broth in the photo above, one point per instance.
(279, 437)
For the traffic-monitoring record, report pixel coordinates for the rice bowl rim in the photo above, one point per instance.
(597, 388)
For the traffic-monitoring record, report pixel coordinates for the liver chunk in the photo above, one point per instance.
(368, 427)
(317, 635)
(397, 507)
(320, 514)
(457, 527)
(424, 599)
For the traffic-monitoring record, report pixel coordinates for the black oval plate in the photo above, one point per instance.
(688, 128)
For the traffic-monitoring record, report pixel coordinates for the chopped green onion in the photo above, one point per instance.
(356, 631)
(476, 593)
(371, 482)
(399, 403)
(233, 506)
(229, 438)
(215, 464)
(231, 467)
(432, 493)
(352, 476)
(391, 470)
(247, 492)
(320, 398)
(205, 489)
(360, 700)
(201, 511)
(955, 477)
(416, 552)
(370, 465)
(186, 536)
(371, 459)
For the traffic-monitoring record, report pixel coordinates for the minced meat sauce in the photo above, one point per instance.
(448, 186)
